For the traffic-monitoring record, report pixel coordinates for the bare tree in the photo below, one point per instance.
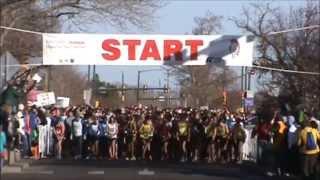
(41, 15)
(52, 15)
(66, 81)
(297, 50)
(204, 85)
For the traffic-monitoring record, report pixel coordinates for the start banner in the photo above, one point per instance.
(117, 49)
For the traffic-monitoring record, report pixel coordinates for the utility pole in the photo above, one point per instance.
(89, 72)
(5, 68)
(249, 80)
(94, 72)
(245, 78)
(122, 88)
(242, 86)
(138, 88)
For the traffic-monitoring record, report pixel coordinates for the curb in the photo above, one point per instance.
(11, 169)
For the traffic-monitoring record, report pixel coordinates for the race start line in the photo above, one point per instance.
(117, 49)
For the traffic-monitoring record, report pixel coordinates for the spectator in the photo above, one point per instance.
(3, 143)
(280, 145)
(309, 149)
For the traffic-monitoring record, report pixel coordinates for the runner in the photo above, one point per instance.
(93, 133)
(112, 133)
(210, 134)
(221, 134)
(103, 138)
(76, 136)
(59, 131)
(183, 136)
(238, 138)
(197, 134)
(131, 137)
(165, 133)
(146, 134)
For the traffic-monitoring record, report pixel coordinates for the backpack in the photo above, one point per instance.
(311, 143)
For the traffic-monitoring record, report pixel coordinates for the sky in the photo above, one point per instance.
(177, 18)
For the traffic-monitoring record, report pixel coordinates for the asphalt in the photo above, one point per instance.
(131, 170)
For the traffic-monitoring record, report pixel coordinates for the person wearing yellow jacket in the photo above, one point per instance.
(146, 134)
(308, 141)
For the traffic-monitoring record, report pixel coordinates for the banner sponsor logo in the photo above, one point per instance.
(89, 49)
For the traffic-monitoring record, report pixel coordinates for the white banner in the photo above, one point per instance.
(63, 102)
(45, 99)
(87, 94)
(116, 49)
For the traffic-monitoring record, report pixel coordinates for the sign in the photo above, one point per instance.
(249, 102)
(87, 96)
(36, 78)
(112, 49)
(63, 102)
(250, 94)
(45, 99)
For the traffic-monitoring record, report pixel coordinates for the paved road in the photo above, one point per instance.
(134, 170)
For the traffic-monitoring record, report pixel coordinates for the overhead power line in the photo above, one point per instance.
(285, 70)
(21, 30)
(260, 67)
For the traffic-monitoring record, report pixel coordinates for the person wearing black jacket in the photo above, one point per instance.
(197, 133)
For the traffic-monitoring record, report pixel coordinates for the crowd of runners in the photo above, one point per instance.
(171, 134)
(130, 133)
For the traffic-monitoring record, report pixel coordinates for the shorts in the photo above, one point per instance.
(220, 141)
(165, 138)
(111, 139)
(146, 140)
(131, 139)
(92, 139)
(183, 138)
(196, 142)
(210, 140)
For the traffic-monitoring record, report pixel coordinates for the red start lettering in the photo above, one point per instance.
(113, 53)
(150, 50)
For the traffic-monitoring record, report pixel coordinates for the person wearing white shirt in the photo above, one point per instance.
(76, 136)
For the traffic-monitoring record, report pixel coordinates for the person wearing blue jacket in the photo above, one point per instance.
(102, 137)
(93, 134)
(85, 132)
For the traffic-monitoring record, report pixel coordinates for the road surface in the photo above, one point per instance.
(135, 170)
